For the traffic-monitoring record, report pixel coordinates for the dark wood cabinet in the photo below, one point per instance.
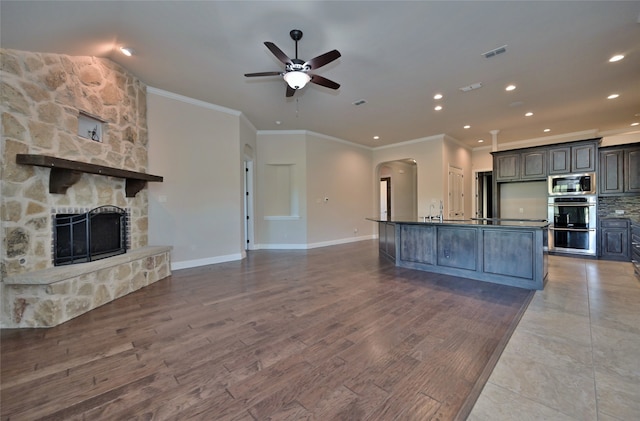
(632, 169)
(583, 158)
(615, 239)
(521, 166)
(619, 171)
(611, 171)
(387, 239)
(507, 167)
(560, 160)
(579, 158)
(534, 164)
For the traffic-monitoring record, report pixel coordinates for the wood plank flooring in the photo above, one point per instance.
(329, 333)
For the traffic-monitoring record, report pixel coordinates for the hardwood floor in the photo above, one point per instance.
(327, 333)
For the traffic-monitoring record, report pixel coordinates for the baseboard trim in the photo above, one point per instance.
(186, 264)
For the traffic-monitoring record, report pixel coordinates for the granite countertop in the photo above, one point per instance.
(513, 223)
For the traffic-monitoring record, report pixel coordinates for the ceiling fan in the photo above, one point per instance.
(296, 72)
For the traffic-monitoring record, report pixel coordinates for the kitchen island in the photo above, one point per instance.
(508, 252)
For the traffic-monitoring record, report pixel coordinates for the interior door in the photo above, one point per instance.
(456, 193)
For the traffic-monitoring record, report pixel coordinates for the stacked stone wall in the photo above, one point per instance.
(42, 97)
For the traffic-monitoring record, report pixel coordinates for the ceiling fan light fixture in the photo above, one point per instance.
(296, 79)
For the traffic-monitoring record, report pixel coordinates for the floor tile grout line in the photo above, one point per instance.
(593, 361)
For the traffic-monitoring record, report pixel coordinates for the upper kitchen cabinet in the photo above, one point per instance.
(576, 158)
(619, 170)
(506, 166)
(534, 164)
(523, 165)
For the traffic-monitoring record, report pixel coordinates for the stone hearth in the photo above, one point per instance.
(52, 296)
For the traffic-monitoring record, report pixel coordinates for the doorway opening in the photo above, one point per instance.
(484, 194)
(385, 198)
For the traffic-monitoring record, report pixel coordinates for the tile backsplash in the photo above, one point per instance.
(607, 206)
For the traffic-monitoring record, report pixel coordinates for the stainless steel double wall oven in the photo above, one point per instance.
(572, 213)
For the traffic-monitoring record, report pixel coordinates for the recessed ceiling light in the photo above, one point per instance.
(613, 96)
(376, 137)
(278, 122)
(635, 124)
(126, 51)
(437, 107)
(529, 114)
(467, 127)
(510, 88)
(615, 58)
(546, 130)
(437, 96)
(480, 140)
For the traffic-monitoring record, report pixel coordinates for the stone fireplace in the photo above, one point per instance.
(90, 235)
(45, 97)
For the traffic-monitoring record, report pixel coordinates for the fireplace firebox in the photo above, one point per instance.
(84, 237)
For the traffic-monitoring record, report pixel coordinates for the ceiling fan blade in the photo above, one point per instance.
(278, 52)
(323, 59)
(290, 91)
(263, 74)
(323, 81)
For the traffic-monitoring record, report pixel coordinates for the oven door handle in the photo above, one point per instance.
(572, 229)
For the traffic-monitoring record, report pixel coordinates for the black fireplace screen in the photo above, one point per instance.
(94, 235)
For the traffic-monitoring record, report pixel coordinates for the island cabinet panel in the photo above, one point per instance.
(499, 251)
(509, 253)
(418, 244)
(457, 247)
(387, 239)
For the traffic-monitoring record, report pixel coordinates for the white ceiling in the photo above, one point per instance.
(395, 55)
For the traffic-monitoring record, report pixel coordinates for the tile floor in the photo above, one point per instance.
(575, 354)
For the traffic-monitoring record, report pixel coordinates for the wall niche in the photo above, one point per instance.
(90, 127)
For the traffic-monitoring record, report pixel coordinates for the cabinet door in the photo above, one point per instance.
(534, 164)
(615, 239)
(583, 158)
(611, 172)
(507, 167)
(560, 160)
(632, 170)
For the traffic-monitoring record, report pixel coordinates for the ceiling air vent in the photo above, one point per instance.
(471, 87)
(495, 51)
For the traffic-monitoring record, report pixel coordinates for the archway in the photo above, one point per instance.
(400, 180)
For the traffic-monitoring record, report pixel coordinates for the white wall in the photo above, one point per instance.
(198, 208)
(341, 172)
(527, 200)
(282, 231)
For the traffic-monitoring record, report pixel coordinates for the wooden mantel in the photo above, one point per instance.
(65, 173)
